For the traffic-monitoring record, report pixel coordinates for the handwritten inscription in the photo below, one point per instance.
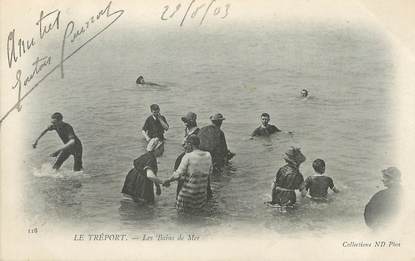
(18, 47)
(195, 10)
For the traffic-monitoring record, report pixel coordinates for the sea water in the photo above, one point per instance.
(346, 121)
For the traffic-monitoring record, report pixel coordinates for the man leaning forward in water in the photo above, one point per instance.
(72, 144)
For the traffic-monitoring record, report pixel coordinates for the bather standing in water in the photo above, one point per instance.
(288, 179)
(139, 182)
(213, 139)
(190, 123)
(72, 143)
(318, 184)
(195, 169)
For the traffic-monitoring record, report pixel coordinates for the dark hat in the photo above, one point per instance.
(392, 173)
(190, 116)
(295, 156)
(217, 117)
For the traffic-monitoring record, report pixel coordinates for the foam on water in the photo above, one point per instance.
(46, 170)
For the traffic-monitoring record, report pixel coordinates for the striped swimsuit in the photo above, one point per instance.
(195, 169)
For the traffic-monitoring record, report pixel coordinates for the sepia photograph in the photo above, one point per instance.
(208, 129)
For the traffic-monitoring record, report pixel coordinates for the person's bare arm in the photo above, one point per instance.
(163, 122)
(152, 176)
(145, 135)
(38, 138)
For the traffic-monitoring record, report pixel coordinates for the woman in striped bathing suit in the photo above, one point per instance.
(194, 169)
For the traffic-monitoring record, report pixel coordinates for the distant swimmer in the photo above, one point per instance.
(317, 185)
(72, 143)
(140, 80)
(304, 93)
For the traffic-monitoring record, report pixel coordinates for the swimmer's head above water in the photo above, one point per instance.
(265, 118)
(140, 80)
(304, 92)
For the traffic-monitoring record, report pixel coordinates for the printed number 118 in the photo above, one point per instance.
(32, 230)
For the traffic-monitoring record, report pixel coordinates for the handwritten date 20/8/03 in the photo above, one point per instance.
(195, 10)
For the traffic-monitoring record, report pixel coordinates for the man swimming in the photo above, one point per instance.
(140, 80)
(265, 129)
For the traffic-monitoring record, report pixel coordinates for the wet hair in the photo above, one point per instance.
(319, 166)
(57, 115)
(193, 139)
(154, 107)
(265, 115)
(140, 79)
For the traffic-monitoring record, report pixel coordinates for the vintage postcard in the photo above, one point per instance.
(207, 129)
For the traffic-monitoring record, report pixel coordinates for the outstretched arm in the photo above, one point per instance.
(335, 190)
(151, 176)
(179, 171)
(38, 138)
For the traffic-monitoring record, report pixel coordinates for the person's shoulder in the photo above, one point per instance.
(149, 157)
(309, 179)
(257, 131)
(206, 154)
(285, 168)
(328, 178)
(188, 155)
(66, 125)
(379, 196)
(196, 131)
(205, 129)
(273, 128)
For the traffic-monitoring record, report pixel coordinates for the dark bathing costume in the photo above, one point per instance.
(66, 132)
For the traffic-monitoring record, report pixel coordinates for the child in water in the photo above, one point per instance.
(317, 185)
